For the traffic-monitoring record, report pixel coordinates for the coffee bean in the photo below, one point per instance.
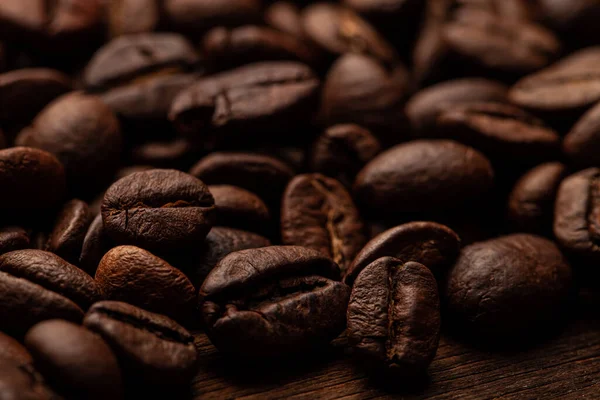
(318, 213)
(138, 277)
(431, 244)
(424, 107)
(148, 346)
(160, 208)
(32, 179)
(359, 90)
(582, 143)
(13, 238)
(95, 245)
(126, 58)
(508, 285)
(394, 316)
(283, 298)
(132, 16)
(23, 382)
(14, 352)
(75, 360)
(342, 150)
(239, 208)
(69, 230)
(576, 20)
(256, 98)
(83, 133)
(500, 131)
(339, 30)
(531, 201)
(286, 17)
(179, 153)
(423, 175)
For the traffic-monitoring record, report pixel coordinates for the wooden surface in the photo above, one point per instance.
(565, 366)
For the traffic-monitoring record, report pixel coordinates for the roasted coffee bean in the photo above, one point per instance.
(239, 208)
(507, 286)
(423, 175)
(339, 30)
(69, 230)
(286, 17)
(431, 244)
(582, 143)
(24, 92)
(195, 17)
(83, 133)
(126, 17)
(149, 346)
(261, 97)
(31, 179)
(571, 84)
(96, 244)
(531, 201)
(318, 213)
(576, 20)
(179, 153)
(75, 360)
(500, 131)
(360, 90)
(14, 352)
(342, 150)
(576, 214)
(128, 57)
(138, 277)
(248, 171)
(424, 107)
(394, 316)
(229, 48)
(38, 285)
(283, 298)
(159, 208)
(13, 238)
(23, 382)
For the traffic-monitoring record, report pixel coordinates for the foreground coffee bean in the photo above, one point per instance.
(481, 295)
(159, 208)
(138, 277)
(284, 298)
(431, 244)
(69, 230)
(423, 175)
(148, 346)
(318, 213)
(394, 316)
(75, 360)
(17, 382)
(13, 238)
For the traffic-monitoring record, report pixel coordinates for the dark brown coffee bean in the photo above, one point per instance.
(531, 201)
(423, 175)
(125, 58)
(83, 133)
(179, 153)
(13, 238)
(126, 17)
(24, 92)
(248, 171)
(69, 230)
(339, 30)
(360, 90)
(138, 277)
(14, 352)
(32, 179)
(163, 209)
(501, 131)
(239, 208)
(575, 20)
(18, 382)
(582, 143)
(342, 150)
(506, 286)
(229, 48)
(75, 360)
(394, 316)
(317, 212)
(576, 214)
(424, 107)
(149, 346)
(261, 97)
(195, 17)
(283, 298)
(431, 244)
(95, 245)
(571, 84)
(286, 17)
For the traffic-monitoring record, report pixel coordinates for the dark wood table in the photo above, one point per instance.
(565, 366)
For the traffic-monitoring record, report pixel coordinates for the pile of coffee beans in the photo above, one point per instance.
(277, 174)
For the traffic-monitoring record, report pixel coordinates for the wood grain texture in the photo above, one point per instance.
(566, 366)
